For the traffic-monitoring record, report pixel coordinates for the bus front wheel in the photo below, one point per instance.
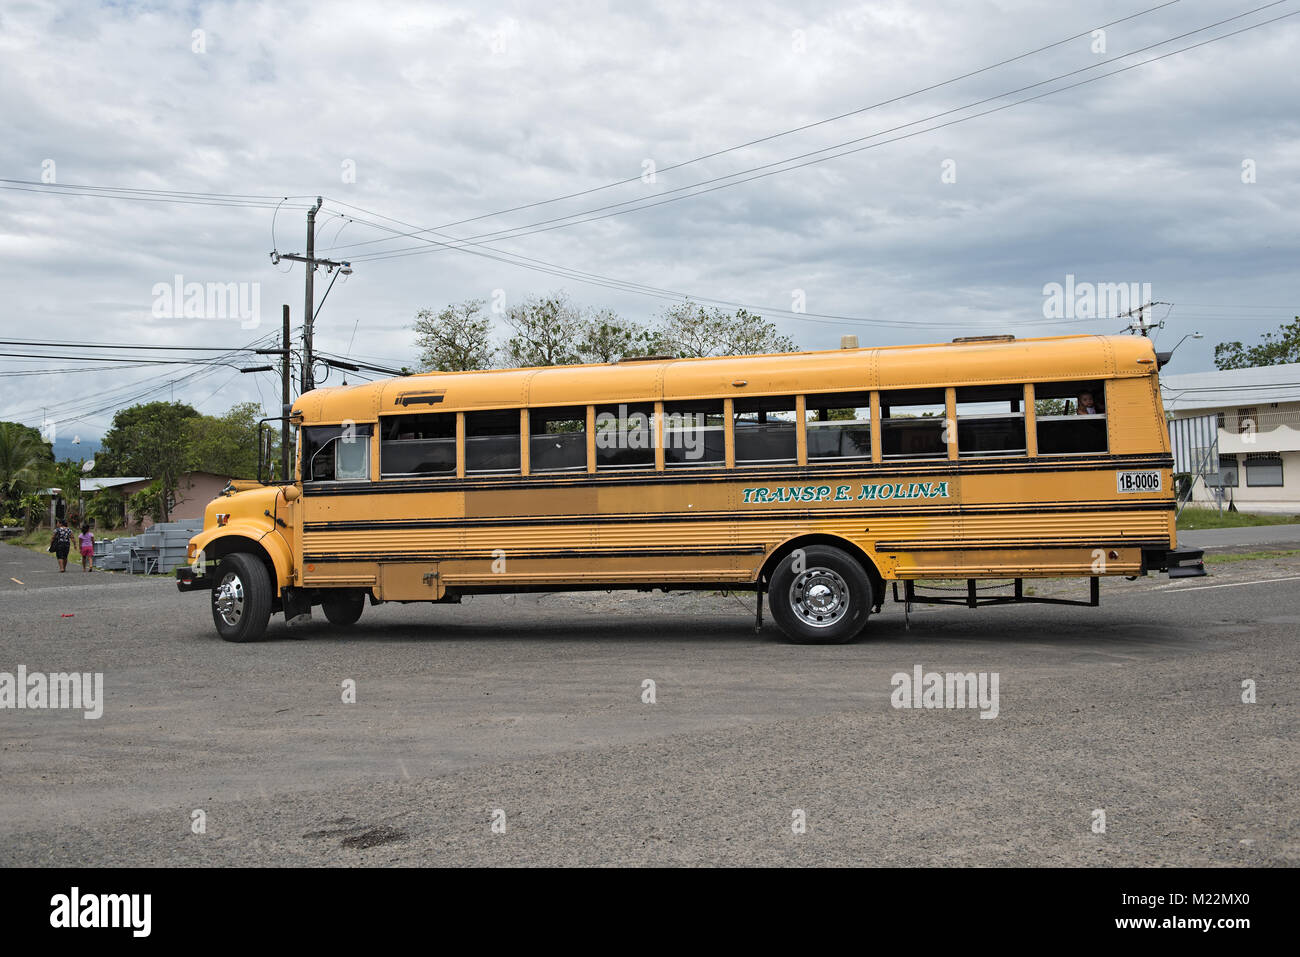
(343, 608)
(820, 595)
(241, 598)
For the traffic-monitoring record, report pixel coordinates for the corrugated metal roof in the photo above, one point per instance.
(1231, 387)
(95, 484)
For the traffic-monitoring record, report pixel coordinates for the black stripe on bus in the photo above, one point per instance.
(810, 474)
(976, 546)
(597, 553)
(335, 557)
(866, 511)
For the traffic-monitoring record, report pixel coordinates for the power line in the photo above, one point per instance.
(155, 362)
(122, 395)
(594, 279)
(1213, 305)
(136, 194)
(796, 129)
(70, 370)
(150, 191)
(768, 169)
(672, 295)
(63, 344)
(623, 285)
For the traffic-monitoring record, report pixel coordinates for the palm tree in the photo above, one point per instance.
(23, 462)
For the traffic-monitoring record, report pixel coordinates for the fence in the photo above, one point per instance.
(1195, 444)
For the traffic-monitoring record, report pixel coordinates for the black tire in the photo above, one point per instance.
(241, 598)
(826, 601)
(343, 608)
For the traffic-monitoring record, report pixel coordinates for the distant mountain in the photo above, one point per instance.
(65, 449)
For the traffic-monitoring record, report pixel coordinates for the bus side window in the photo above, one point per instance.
(492, 442)
(838, 426)
(912, 424)
(557, 440)
(1071, 417)
(991, 420)
(765, 431)
(694, 433)
(625, 436)
(420, 444)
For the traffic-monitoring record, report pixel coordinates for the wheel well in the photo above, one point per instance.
(843, 544)
(226, 544)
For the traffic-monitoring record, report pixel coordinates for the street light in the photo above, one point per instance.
(1162, 358)
(344, 269)
(1190, 335)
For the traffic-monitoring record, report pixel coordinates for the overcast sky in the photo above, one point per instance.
(1184, 173)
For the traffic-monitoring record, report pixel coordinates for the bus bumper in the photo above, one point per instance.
(1178, 562)
(188, 580)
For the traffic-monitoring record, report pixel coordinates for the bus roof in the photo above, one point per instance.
(987, 362)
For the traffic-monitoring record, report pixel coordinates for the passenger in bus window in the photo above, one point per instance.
(1087, 405)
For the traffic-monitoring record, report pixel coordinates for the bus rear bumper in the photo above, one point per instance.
(1178, 562)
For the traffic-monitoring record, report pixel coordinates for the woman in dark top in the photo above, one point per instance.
(60, 542)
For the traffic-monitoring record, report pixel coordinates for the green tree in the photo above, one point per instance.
(1052, 407)
(66, 477)
(107, 508)
(150, 502)
(150, 440)
(457, 339)
(1274, 349)
(227, 444)
(33, 506)
(691, 330)
(546, 332)
(26, 461)
(608, 337)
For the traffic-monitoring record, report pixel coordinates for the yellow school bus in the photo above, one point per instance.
(816, 478)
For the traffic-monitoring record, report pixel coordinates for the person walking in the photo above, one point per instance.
(60, 542)
(87, 543)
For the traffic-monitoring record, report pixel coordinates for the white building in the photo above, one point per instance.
(1258, 419)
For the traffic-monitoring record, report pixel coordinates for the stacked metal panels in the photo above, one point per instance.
(159, 549)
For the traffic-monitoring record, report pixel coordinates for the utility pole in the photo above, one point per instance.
(309, 306)
(286, 379)
(309, 297)
(285, 400)
(1142, 327)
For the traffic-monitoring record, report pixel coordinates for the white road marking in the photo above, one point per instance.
(1262, 581)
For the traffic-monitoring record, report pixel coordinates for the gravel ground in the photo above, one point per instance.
(533, 707)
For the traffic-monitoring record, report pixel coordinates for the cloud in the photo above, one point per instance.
(449, 111)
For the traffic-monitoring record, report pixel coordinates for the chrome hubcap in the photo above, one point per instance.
(228, 599)
(819, 597)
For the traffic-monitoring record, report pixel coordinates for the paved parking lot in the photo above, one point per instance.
(533, 711)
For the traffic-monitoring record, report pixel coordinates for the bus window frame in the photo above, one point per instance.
(949, 446)
(1103, 417)
(521, 439)
(797, 410)
(958, 418)
(872, 423)
(406, 476)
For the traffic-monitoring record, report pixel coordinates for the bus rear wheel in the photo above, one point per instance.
(820, 595)
(343, 608)
(241, 598)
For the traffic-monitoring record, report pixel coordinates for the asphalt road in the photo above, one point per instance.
(533, 706)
